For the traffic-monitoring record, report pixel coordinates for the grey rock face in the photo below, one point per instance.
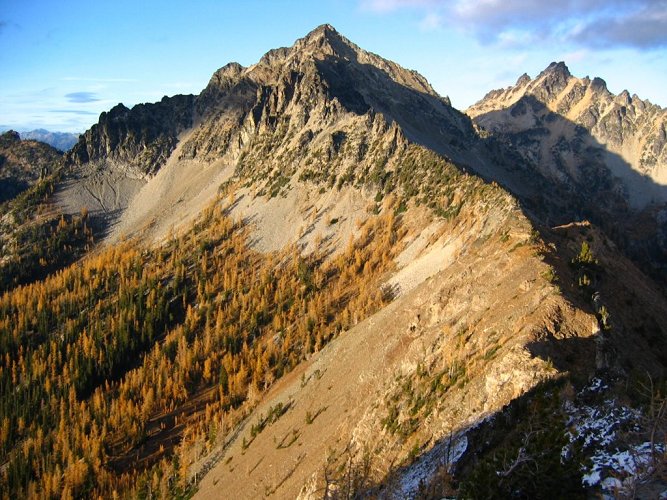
(142, 137)
(323, 69)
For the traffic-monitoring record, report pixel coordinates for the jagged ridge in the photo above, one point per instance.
(142, 138)
(561, 123)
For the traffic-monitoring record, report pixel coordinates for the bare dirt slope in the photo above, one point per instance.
(481, 309)
(173, 197)
(304, 216)
(104, 189)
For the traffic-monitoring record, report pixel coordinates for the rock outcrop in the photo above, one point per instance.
(141, 138)
(22, 163)
(308, 84)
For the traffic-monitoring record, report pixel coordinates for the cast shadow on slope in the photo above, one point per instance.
(634, 339)
(592, 190)
(586, 181)
(587, 175)
(554, 441)
(494, 445)
(10, 188)
(425, 118)
(589, 193)
(516, 452)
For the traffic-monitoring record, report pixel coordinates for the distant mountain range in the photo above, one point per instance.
(576, 132)
(59, 140)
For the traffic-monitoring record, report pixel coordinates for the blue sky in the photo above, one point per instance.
(63, 62)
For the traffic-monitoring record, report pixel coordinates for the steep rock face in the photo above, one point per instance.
(22, 163)
(326, 72)
(141, 138)
(321, 112)
(578, 133)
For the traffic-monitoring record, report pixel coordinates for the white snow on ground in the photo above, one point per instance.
(597, 426)
(596, 429)
(628, 464)
(596, 385)
(447, 453)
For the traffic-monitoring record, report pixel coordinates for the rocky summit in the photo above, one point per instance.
(575, 131)
(295, 98)
(318, 279)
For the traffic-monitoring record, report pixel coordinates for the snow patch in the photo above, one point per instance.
(446, 453)
(596, 386)
(615, 465)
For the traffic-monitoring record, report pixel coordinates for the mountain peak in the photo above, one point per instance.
(323, 30)
(523, 80)
(599, 84)
(551, 81)
(321, 42)
(325, 39)
(332, 54)
(557, 68)
(226, 74)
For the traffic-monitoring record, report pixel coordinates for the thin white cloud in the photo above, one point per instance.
(392, 5)
(431, 21)
(72, 111)
(515, 38)
(82, 97)
(97, 80)
(640, 24)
